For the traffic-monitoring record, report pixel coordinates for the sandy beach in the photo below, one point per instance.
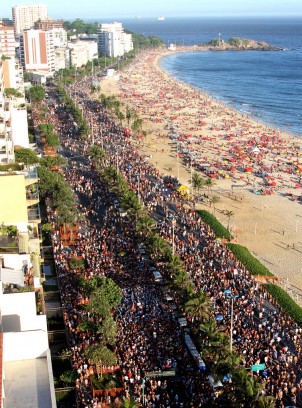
(256, 170)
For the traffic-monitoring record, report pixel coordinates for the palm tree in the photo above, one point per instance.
(218, 348)
(229, 214)
(173, 262)
(96, 153)
(120, 116)
(197, 182)
(127, 403)
(180, 279)
(157, 245)
(145, 225)
(226, 364)
(198, 306)
(137, 125)
(128, 115)
(265, 401)
(209, 330)
(214, 200)
(233, 361)
(130, 203)
(247, 388)
(209, 183)
(110, 174)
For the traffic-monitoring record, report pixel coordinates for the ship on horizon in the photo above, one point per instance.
(161, 18)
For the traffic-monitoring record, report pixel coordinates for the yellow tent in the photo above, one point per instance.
(184, 191)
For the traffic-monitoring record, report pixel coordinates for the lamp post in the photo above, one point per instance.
(173, 243)
(117, 161)
(191, 171)
(138, 187)
(230, 295)
(173, 221)
(177, 158)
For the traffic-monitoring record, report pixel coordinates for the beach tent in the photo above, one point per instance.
(182, 188)
(256, 150)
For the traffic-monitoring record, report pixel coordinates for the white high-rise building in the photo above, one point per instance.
(113, 41)
(24, 16)
(37, 51)
(81, 52)
(7, 40)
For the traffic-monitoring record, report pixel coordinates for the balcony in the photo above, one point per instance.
(31, 176)
(32, 198)
(34, 214)
(8, 244)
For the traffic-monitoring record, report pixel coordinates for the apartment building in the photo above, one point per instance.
(6, 143)
(48, 24)
(24, 16)
(113, 41)
(13, 75)
(37, 51)
(81, 52)
(25, 361)
(7, 40)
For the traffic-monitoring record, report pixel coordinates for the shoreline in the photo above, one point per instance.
(231, 105)
(259, 221)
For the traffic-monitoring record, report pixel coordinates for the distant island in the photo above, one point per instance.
(237, 43)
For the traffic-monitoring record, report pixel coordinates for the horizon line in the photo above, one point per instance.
(140, 17)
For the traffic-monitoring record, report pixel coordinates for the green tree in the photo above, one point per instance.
(120, 116)
(48, 181)
(137, 125)
(247, 388)
(99, 304)
(127, 403)
(145, 225)
(157, 245)
(217, 349)
(68, 377)
(96, 153)
(52, 140)
(209, 184)
(107, 331)
(100, 355)
(26, 156)
(50, 162)
(131, 115)
(111, 291)
(130, 203)
(213, 201)
(37, 93)
(67, 215)
(197, 182)
(198, 306)
(265, 401)
(47, 227)
(26, 77)
(229, 215)
(209, 330)
(12, 92)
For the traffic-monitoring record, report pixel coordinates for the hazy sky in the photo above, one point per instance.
(97, 9)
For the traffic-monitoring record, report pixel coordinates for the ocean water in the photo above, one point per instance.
(264, 85)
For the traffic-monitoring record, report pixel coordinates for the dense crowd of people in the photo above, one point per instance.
(149, 337)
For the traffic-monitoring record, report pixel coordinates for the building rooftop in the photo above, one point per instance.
(27, 384)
